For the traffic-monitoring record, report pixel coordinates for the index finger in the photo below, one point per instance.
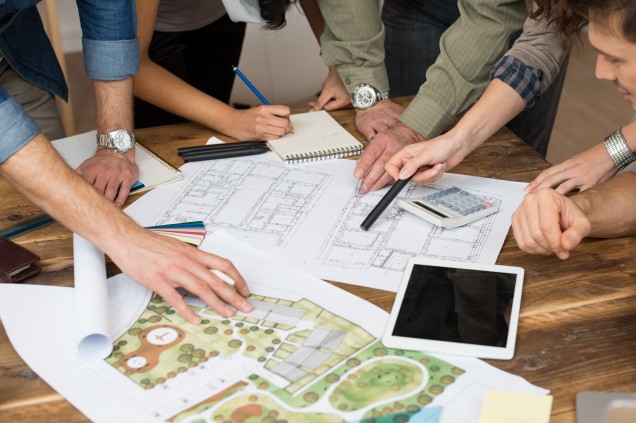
(369, 157)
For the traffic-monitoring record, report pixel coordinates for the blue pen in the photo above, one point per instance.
(250, 86)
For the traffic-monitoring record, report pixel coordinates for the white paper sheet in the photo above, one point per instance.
(310, 216)
(342, 329)
(91, 301)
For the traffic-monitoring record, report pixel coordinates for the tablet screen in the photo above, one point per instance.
(456, 305)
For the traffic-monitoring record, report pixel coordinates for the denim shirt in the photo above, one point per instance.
(110, 46)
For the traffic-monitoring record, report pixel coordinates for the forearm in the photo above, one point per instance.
(610, 207)
(157, 86)
(496, 107)
(113, 104)
(353, 40)
(41, 175)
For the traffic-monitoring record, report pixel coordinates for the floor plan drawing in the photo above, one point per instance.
(255, 197)
(310, 215)
(384, 247)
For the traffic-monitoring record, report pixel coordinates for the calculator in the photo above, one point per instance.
(450, 208)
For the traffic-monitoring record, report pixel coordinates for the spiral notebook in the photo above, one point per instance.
(153, 170)
(317, 136)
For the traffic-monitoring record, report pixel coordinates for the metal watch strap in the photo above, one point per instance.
(619, 150)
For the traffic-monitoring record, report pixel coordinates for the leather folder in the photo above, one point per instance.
(16, 262)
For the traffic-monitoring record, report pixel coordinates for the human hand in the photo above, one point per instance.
(334, 94)
(111, 173)
(547, 222)
(260, 123)
(427, 160)
(378, 118)
(583, 171)
(370, 166)
(164, 264)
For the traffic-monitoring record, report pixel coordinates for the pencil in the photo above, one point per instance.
(250, 85)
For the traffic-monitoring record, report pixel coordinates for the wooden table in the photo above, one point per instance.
(578, 317)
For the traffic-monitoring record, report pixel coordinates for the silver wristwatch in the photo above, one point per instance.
(365, 96)
(119, 140)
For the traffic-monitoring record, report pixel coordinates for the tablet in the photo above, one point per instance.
(456, 308)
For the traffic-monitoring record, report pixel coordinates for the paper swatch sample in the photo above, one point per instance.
(515, 407)
(153, 170)
(317, 136)
(192, 233)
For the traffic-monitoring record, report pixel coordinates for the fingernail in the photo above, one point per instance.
(357, 173)
(403, 174)
(364, 188)
(229, 311)
(247, 306)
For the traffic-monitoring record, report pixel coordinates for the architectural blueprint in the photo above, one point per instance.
(310, 215)
(308, 352)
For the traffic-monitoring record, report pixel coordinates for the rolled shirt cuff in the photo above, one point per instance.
(375, 76)
(524, 79)
(18, 128)
(111, 60)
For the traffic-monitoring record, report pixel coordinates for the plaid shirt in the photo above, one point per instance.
(524, 79)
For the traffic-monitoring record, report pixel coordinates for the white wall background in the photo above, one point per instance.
(284, 65)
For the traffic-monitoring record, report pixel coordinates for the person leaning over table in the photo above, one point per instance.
(501, 101)
(32, 166)
(187, 53)
(354, 41)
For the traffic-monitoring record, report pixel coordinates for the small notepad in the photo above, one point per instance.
(317, 136)
(153, 170)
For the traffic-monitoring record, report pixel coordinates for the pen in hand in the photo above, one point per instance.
(256, 92)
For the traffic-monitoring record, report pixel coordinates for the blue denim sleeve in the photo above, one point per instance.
(109, 29)
(17, 127)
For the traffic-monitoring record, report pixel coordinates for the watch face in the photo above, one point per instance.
(364, 97)
(121, 140)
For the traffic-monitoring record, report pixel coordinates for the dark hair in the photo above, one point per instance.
(273, 12)
(572, 15)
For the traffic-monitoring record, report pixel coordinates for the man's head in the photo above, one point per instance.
(612, 32)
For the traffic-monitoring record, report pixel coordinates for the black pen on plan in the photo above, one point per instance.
(384, 202)
(222, 154)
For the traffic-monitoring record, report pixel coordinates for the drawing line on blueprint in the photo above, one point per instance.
(347, 245)
(253, 196)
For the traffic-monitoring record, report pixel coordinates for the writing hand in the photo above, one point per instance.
(111, 173)
(259, 123)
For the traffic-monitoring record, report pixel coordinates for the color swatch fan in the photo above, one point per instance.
(190, 232)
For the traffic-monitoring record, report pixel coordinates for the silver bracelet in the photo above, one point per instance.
(619, 150)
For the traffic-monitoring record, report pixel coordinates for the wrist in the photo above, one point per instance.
(409, 133)
(618, 150)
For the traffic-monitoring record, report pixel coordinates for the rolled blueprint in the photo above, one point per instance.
(92, 325)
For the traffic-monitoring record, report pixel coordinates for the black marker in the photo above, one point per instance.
(384, 202)
(223, 154)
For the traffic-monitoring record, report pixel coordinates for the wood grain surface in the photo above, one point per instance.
(577, 330)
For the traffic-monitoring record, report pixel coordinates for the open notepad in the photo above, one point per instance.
(317, 136)
(153, 170)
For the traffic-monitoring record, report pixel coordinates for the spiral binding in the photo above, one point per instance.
(332, 153)
(161, 161)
